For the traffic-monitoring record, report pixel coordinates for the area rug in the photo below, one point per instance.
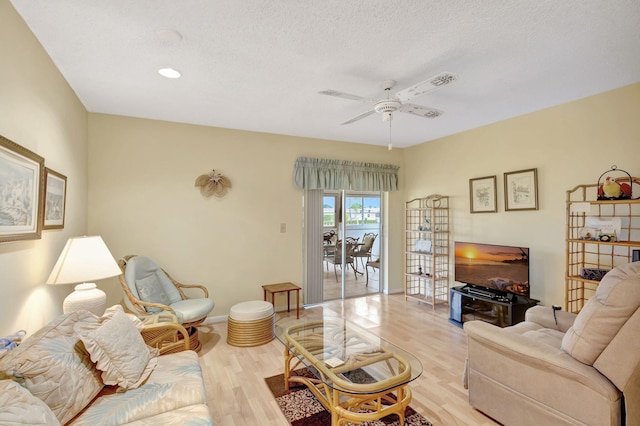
(302, 408)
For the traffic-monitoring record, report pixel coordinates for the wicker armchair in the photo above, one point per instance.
(150, 290)
(163, 332)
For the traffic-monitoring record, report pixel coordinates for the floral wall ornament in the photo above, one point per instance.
(213, 183)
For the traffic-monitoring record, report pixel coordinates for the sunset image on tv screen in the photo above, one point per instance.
(503, 268)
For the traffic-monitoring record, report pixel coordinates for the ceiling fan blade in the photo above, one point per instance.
(360, 117)
(421, 111)
(435, 82)
(343, 95)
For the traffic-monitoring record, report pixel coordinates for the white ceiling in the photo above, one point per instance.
(259, 65)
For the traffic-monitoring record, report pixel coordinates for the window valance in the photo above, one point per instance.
(318, 173)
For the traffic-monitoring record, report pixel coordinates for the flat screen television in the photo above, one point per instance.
(494, 267)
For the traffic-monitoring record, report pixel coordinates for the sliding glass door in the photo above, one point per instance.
(351, 243)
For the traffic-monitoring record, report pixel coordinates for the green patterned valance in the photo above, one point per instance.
(318, 173)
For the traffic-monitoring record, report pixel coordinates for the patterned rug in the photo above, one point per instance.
(302, 408)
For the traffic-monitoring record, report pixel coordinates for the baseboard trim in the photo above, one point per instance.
(216, 319)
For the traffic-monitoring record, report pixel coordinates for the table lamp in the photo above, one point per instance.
(84, 259)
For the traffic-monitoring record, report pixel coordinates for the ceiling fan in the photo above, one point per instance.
(387, 106)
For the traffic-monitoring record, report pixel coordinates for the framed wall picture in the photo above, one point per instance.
(55, 197)
(21, 191)
(521, 190)
(482, 193)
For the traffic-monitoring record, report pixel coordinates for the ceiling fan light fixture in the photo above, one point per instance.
(169, 72)
(399, 102)
(387, 105)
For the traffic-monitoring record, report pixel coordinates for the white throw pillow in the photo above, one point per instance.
(120, 352)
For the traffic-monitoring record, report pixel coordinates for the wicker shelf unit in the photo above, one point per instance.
(592, 254)
(427, 250)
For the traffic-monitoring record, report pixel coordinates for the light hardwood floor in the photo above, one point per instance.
(234, 377)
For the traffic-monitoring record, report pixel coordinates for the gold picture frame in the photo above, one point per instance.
(22, 186)
(55, 199)
(521, 190)
(482, 195)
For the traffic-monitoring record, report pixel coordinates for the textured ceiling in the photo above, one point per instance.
(259, 65)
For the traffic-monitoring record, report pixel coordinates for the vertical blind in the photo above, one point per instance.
(314, 291)
(319, 173)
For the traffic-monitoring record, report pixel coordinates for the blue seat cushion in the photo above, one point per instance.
(190, 310)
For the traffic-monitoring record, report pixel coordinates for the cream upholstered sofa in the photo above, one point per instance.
(579, 369)
(81, 369)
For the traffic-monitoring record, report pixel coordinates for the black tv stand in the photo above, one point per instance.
(468, 303)
(478, 292)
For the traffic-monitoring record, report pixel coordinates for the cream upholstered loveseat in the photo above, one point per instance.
(582, 370)
(81, 369)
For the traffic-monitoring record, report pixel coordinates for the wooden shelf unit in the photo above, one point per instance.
(427, 219)
(596, 254)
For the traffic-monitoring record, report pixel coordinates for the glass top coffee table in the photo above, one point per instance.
(355, 374)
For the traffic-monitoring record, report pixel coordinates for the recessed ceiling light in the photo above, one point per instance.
(169, 72)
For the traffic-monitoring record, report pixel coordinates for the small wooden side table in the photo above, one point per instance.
(281, 288)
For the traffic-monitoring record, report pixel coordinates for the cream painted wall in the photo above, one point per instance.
(39, 111)
(569, 144)
(142, 200)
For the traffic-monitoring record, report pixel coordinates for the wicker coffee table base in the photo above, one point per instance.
(346, 407)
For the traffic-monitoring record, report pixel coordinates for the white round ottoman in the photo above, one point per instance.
(251, 323)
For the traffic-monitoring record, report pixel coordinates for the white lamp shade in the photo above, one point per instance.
(84, 259)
